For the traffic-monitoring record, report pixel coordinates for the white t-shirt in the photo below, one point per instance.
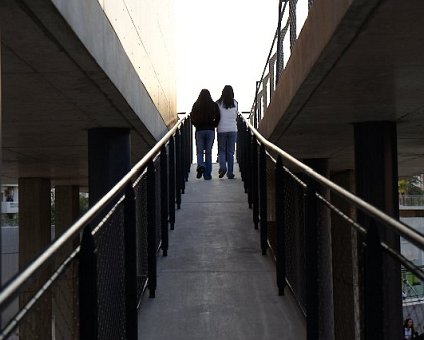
(227, 122)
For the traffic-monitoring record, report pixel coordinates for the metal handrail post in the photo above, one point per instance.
(263, 199)
(183, 158)
(254, 196)
(249, 165)
(164, 204)
(280, 225)
(151, 229)
(178, 172)
(171, 187)
(311, 250)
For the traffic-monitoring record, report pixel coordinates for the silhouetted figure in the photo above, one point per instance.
(227, 132)
(205, 117)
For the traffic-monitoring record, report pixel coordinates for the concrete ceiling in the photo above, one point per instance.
(372, 69)
(53, 91)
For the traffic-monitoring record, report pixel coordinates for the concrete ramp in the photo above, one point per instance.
(215, 284)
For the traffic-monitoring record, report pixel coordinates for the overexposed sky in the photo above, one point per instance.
(222, 42)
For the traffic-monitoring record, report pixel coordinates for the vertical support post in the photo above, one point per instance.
(65, 292)
(376, 182)
(248, 187)
(183, 156)
(171, 188)
(254, 182)
(246, 149)
(263, 199)
(109, 159)
(347, 311)
(164, 199)
(239, 146)
(322, 228)
(190, 129)
(280, 225)
(34, 236)
(151, 229)
(280, 61)
(373, 278)
(311, 241)
(130, 263)
(178, 171)
(88, 286)
(188, 160)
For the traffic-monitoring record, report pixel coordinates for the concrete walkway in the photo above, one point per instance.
(215, 284)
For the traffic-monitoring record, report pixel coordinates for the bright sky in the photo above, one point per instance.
(222, 42)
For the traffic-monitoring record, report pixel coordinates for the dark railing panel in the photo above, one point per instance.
(130, 263)
(113, 265)
(140, 189)
(110, 249)
(88, 287)
(296, 236)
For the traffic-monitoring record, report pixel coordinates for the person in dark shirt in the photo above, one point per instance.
(205, 117)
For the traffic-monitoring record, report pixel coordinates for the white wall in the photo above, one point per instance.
(132, 41)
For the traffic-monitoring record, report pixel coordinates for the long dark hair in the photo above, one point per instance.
(204, 101)
(227, 97)
(204, 111)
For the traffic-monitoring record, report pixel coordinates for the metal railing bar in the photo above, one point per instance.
(287, 282)
(297, 179)
(71, 232)
(268, 58)
(139, 178)
(14, 322)
(403, 260)
(106, 218)
(355, 224)
(402, 229)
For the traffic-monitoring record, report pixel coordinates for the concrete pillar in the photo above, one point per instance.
(108, 159)
(376, 182)
(325, 275)
(34, 237)
(345, 263)
(65, 291)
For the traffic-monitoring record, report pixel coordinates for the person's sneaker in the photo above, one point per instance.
(222, 172)
(231, 176)
(200, 170)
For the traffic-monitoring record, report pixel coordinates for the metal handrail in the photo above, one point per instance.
(280, 17)
(402, 229)
(9, 291)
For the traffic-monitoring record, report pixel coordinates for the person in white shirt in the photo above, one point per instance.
(227, 131)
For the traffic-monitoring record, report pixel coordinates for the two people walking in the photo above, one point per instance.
(206, 115)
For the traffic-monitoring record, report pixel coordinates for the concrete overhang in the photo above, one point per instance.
(354, 61)
(54, 90)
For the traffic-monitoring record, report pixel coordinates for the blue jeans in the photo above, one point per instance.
(204, 143)
(226, 147)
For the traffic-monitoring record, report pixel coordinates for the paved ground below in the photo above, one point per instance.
(214, 283)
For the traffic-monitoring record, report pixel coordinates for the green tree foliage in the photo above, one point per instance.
(410, 186)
